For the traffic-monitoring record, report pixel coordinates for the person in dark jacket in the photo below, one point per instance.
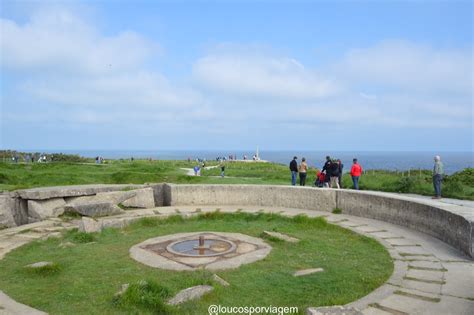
(339, 179)
(327, 171)
(294, 170)
(334, 173)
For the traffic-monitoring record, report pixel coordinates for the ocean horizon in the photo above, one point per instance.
(387, 160)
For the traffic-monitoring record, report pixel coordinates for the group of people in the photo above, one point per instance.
(331, 173)
(329, 176)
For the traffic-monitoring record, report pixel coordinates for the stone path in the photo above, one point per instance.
(430, 277)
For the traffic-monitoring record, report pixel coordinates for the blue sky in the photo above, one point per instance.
(311, 75)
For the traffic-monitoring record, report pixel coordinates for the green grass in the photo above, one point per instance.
(145, 295)
(92, 273)
(44, 271)
(15, 176)
(337, 211)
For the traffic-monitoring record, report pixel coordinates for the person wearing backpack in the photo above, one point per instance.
(294, 170)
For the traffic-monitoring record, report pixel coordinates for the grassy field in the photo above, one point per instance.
(16, 176)
(88, 274)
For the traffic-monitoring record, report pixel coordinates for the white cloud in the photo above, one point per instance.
(63, 60)
(256, 75)
(57, 40)
(368, 96)
(403, 64)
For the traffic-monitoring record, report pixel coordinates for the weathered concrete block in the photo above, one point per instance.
(144, 198)
(190, 294)
(159, 194)
(114, 197)
(89, 225)
(95, 209)
(71, 191)
(43, 209)
(7, 210)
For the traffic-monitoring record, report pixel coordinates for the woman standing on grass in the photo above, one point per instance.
(302, 171)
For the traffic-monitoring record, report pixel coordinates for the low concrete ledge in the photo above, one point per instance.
(452, 224)
(255, 195)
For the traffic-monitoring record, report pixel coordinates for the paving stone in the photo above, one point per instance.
(400, 242)
(39, 264)
(281, 236)
(333, 310)
(368, 229)
(305, 272)
(459, 280)
(422, 286)
(413, 251)
(219, 280)
(447, 305)
(428, 275)
(426, 264)
(374, 311)
(386, 235)
(406, 304)
(189, 294)
(351, 223)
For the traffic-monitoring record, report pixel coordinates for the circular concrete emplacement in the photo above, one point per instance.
(197, 250)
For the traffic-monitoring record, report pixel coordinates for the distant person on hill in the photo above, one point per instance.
(197, 170)
(341, 166)
(302, 170)
(222, 170)
(356, 171)
(294, 170)
(438, 173)
(334, 174)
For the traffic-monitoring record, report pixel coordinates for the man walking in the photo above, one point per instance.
(356, 171)
(294, 170)
(438, 172)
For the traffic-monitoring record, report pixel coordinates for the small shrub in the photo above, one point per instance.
(47, 270)
(148, 222)
(337, 210)
(144, 295)
(405, 184)
(80, 237)
(215, 215)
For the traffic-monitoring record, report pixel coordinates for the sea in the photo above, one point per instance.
(370, 160)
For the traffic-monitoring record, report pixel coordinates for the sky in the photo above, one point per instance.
(231, 75)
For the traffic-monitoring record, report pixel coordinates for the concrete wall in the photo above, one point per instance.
(256, 195)
(447, 225)
(453, 228)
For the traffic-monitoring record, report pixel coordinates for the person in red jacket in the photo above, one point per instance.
(356, 171)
